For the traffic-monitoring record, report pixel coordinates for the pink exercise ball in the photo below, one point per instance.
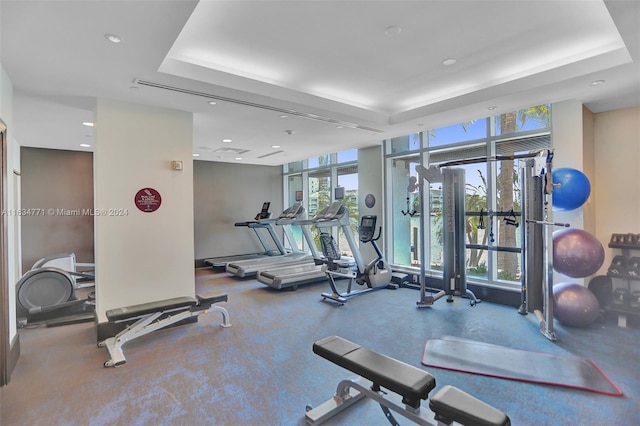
(576, 253)
(574, 305)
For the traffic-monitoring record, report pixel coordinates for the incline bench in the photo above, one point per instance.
(154, 316)
(408, 386)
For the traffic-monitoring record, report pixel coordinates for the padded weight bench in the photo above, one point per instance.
(154, 316)
(408, 386)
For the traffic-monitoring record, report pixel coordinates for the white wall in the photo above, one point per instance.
(606, 147)
(589, 168)
(226, 193)
(617, 176)
(13, 196)
(568, 146)
(568, 140)
(56, 179)
(142, 257)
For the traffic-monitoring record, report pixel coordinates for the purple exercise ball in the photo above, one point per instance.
(574, 305)
(576, 253)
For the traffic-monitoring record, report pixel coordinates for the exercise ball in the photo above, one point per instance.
(576, 253)
(572, 190)
(574, 305)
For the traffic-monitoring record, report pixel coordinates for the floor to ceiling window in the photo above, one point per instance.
(476, 208)
(295, 191)
(317, 178)
(492, 193)
(404, 202)
(319, 184)
(348, 179)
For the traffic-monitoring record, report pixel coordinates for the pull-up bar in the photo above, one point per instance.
(493, 158)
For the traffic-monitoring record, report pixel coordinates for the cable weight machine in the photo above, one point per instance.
(537, 243)
(453, 268)
(536, 237)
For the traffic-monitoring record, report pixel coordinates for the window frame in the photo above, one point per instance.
(536, 138)
(332, 168)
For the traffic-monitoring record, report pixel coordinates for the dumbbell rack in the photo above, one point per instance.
(626, 297)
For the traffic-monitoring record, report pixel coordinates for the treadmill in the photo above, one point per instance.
(250, 267)
(291, 276)
(258, 227)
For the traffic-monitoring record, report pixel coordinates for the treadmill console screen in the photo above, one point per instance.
(264, 213)
(294, 210)
(332, 211)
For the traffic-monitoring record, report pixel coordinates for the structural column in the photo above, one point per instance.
(571, 150)
(144, 242)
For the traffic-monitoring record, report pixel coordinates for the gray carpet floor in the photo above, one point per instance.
(262, 371)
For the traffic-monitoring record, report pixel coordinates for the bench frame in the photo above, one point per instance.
(156, 318)
(355, 389)
(405, 386)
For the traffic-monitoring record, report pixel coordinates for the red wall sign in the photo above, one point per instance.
(148, 200)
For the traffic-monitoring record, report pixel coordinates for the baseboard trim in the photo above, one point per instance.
(14, 355)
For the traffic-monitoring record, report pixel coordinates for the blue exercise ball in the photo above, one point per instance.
(572, 191)
(576, 253)
(574, 305)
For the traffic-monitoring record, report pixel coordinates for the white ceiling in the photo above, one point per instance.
(329, 66)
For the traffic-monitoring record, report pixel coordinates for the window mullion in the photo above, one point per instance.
(492, 203)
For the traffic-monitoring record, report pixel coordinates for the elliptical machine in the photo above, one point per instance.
(372, 276)
(47, 293)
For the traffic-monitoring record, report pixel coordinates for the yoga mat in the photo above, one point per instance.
(514, 364)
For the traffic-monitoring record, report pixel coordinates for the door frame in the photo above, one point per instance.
(5, 343)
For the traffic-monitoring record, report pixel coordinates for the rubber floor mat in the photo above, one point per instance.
(514, 364)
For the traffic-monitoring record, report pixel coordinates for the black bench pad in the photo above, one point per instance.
(452, 404)
(206, 300)
(412, 383)
(149, 308)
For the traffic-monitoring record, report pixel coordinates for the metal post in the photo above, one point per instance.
(547, 327)
(424, 300)
(430, 175)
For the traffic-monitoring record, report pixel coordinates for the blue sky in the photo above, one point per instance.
(440, 137)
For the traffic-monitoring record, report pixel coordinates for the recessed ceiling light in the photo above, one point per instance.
(392, 31)
(85, 145)
(449, 62)
(212, 102)
(227, 140)
(275, 146)
(238, 158)
(87, 123)
(492, 107)
(339, 127)
(596, 83)
(284, 116)
(113, 38)
(196, 155)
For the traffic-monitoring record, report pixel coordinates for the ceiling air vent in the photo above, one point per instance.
(270, 154)
(231, 150)
(255, 105)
